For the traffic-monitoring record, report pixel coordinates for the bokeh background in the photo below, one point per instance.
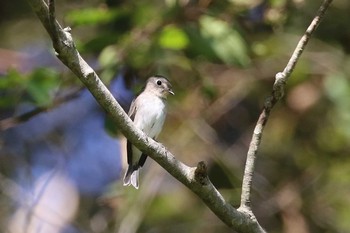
(61, 157)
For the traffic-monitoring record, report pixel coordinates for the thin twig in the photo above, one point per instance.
(277, 93)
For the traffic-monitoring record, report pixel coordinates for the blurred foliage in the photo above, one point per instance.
(37, 87)
(173, 38)
(221, 57)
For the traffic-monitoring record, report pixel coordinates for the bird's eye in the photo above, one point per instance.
(159, 82)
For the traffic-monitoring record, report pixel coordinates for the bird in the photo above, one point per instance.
(148, 111)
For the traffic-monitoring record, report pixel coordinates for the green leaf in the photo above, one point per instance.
(12, 79)
(173, 37)
(42, 83)
(11, 88)
(227, 43)
(92, 16)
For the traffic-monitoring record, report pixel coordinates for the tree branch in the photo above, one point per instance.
(191, 177)
(281, 79)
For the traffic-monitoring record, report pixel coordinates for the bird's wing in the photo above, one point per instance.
(142, 160)
(132, 110)
(131, 114)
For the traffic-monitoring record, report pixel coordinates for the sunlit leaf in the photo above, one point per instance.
(91, 16)
(228, 44)
(173, 37)
(108, 56)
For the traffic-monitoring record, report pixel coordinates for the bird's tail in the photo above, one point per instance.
(131, 177)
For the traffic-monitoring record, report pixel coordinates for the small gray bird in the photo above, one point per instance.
(148, 112)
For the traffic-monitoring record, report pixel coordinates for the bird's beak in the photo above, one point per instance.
(171, 91)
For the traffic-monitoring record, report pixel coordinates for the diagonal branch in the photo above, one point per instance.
(277, 93)
(194, 178)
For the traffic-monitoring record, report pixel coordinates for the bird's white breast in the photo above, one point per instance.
(150, 114)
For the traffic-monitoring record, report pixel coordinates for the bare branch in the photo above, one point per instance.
(277, 93)
(191, 177)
